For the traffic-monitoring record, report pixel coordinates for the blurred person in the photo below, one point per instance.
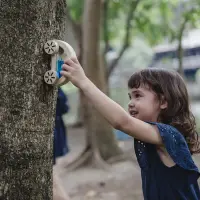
(60, 131)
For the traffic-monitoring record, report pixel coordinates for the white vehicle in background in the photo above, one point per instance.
(165, 56)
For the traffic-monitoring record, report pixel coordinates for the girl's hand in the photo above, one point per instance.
(72, 70)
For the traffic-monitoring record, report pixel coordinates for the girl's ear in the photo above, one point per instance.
(163, 103)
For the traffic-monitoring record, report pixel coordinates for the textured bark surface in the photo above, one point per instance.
(27, 104)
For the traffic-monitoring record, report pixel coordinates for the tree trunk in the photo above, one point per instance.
(27, 104)
(180, 58)
(180, 47)
(98, 130)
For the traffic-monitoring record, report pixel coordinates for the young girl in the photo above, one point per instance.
(161, 123)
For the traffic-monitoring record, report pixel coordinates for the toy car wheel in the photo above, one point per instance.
(51, 47)
(50, 77)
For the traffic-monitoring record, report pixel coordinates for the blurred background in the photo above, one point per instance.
(133, 34)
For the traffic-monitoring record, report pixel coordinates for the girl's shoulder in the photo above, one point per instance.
(167, 130)
(176, 146)
(171, 137)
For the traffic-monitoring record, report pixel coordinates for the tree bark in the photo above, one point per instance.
(27, 104)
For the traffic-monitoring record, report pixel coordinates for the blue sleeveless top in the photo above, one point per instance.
(160, 182)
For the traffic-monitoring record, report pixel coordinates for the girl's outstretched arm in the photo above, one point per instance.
(109, 109)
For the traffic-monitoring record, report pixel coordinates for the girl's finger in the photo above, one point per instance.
(65, 73)
(75, 60)
(66, 67)
(69, 62)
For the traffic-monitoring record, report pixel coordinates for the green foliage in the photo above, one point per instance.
(148, 20)
(153, 20)
(187, 18)
(75, 9)
(150, 27)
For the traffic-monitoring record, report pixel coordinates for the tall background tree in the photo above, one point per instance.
(27, 104)
(97, 129)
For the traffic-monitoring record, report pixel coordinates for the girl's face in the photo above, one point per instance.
(144, 104)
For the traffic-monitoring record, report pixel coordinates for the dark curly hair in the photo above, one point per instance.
(170, 85)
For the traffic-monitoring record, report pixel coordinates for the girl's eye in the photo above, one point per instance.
(137, 95)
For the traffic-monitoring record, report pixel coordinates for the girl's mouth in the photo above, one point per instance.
(133, 113)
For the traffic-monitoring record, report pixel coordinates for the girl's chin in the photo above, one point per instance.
(135, 116)
(138, 117)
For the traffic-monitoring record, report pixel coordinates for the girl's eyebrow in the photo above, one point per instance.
(136, 91)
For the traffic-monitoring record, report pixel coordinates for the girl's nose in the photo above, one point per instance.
(131, 104)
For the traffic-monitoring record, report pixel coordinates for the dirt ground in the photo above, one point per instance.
(122, 181)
